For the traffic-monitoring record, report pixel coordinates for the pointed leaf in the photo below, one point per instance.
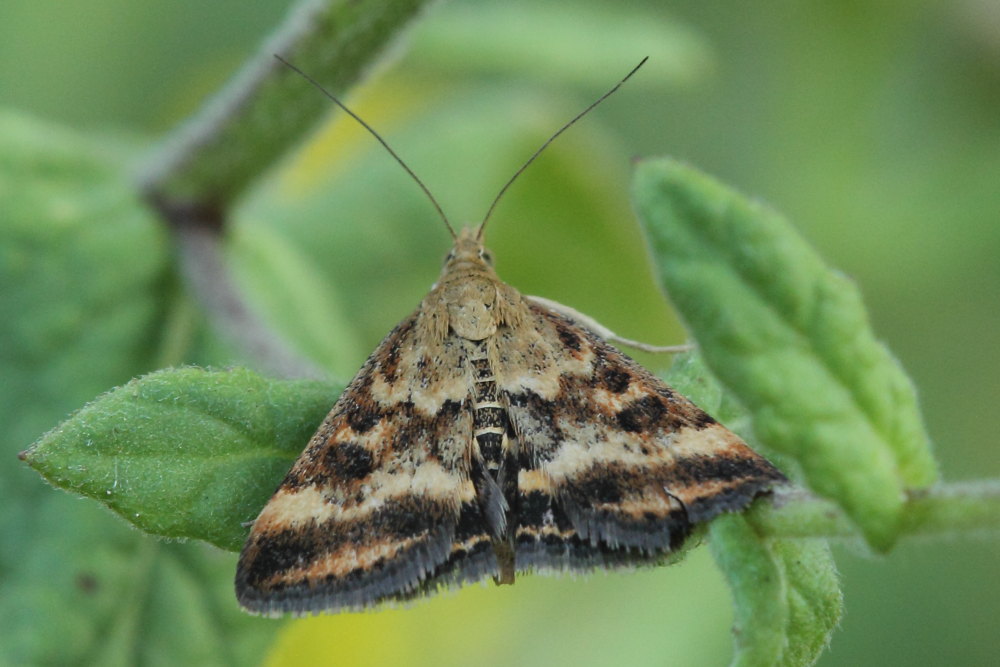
(786, 594)
(186, 453)
(791, 339)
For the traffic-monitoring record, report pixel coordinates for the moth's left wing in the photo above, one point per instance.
(615, 466)
(380, 505)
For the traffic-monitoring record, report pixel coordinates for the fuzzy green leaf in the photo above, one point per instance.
(112, 596)
(815, 601)
(83, 267)
(786, 595)
(757, 586)
(186, 453)
(790, 338)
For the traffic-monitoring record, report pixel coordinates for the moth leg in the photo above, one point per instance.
(607, 334)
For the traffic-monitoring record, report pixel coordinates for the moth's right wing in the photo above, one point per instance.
(615, 466)
(379, 506)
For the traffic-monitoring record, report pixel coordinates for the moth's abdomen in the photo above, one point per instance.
(489, 417)
(494, 465)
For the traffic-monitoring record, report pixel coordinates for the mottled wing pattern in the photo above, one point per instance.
(614, 466)
(447, 460)
(380, 504)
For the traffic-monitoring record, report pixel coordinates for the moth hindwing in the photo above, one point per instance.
(489, 435)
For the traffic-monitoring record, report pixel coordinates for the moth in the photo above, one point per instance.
(490, 433)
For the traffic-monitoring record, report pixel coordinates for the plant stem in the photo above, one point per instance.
(203, 264)
(265, 111)
(946, 509)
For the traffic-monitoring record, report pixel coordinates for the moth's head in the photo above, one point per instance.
(468, 253)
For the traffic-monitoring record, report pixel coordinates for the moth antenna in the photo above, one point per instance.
(437, 207)
(482, 225)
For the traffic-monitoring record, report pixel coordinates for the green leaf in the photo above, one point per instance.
(83, 269)
(107, 595)
(815, 601)
(786, 595)
(186, 453)
(790, 338)
(85, 278)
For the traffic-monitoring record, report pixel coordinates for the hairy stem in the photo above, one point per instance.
(267, 109)
(945, 509)
(264, 111)
(203, 265)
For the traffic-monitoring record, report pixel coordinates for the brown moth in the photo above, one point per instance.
(490, 433)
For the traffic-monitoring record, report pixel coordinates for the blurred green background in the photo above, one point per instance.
(875, 127)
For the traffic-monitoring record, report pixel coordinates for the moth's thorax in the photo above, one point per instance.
(469, 299)
(471, 304)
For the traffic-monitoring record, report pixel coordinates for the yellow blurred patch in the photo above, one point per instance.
(678, 615)
(456, 623)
